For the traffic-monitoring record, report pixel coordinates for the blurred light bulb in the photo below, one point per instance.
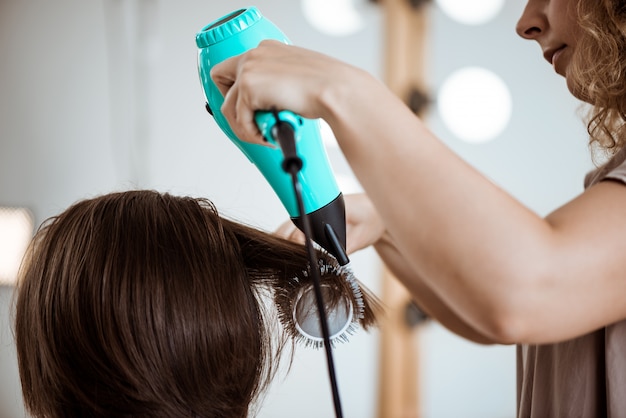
(333, 17)
(474, 12)
(475, 104)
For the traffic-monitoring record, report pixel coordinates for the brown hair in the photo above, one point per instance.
(144, 304)
(599, 71)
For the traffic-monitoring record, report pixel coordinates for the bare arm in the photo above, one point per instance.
(424, 297)
(510, 274)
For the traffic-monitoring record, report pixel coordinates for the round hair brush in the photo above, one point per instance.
(348, 305)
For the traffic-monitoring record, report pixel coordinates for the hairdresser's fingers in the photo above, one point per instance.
(364, 226)
(356, 239)
(224, 74)
(276, 76)
(360, 237)
(240, 116)
(289, 231)
(238, 80)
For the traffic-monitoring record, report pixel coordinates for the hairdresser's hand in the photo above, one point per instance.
(364, 226)
(278, 76)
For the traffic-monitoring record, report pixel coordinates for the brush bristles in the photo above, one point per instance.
(341, 289)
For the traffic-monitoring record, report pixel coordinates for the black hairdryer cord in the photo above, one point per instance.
(284, 134)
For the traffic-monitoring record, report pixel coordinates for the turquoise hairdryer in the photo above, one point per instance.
(323, 203)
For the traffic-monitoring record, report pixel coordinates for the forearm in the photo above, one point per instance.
(467, 239)
(424, 296)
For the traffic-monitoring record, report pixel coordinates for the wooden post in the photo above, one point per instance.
(404, 72)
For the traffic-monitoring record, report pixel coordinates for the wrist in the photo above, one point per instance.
(338, 97)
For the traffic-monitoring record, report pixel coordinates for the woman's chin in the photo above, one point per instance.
(577, 92)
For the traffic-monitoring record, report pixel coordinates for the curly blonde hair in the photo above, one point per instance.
(598, 71)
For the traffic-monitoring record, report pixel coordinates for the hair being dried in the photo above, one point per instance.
(142, 304)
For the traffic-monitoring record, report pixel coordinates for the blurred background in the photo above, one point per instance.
(103, 95)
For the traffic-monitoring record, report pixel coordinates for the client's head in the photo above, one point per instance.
(143, 304)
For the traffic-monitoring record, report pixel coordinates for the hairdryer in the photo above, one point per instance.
(323, 202)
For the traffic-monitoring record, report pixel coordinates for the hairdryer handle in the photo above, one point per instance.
(267, 120)
(281, 128)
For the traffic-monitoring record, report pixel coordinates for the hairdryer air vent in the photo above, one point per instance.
(225, 19)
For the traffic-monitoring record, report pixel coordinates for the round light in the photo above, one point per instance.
(475, 104)
(333, 17)
(471, 12)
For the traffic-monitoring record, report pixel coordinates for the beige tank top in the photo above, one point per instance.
(583, 377)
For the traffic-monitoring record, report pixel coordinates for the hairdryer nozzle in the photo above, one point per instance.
(328, 225)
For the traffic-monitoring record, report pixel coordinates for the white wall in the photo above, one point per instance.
(66, 120)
